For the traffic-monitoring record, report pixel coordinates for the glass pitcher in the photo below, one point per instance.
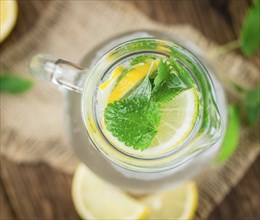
(137, 174)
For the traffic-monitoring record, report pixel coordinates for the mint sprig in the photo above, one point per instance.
(133, 121)
(249, 39)
(163, 73)
(167, 84)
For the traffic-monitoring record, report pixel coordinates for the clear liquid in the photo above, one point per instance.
(135, 182)
(164, 141)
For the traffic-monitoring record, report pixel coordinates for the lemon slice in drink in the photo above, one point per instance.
(179, 203)
(178, 118)
(8, 16)
(114, 75)
(131, 79)
(93, 198)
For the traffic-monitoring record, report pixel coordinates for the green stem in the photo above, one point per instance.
(218, 51)
(224, 49)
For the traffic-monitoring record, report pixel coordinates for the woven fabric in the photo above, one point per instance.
(32, 126)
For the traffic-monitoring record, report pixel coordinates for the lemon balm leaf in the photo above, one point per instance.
(168, 83)
(252, 105)
(172, 87)
(163, 73)
(231, 137)
(133, 121)
(14, 84)
(145, 89)
(250, 33)
(181, 72)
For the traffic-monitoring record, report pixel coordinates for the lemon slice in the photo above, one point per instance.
(114, 75)
(8, 16)
(131, 79)
(178, 203)
(95, 199)
(177, 120)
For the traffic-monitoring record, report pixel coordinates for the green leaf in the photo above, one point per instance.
(181, 72)
(231, 137)
(133, 121)
(252, 105)
(162, 75)
(237, 87)
(14, 84)
(141, 59)
(171, 88)
(144, 89)
(172, 79)
(250, 34)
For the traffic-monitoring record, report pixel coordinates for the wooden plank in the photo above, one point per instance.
(212, 18)
(38, 192)
(243, 201)
(6, 212)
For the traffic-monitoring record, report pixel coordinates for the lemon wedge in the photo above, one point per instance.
(177, 119)
(95, 199)
(179, 203)
(131, 79)
(8, 16)
(114, 75)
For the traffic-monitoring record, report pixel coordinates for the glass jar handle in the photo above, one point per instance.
(58, 71)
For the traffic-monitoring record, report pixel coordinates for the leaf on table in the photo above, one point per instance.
(252, 105)
(133, 121)
(250, 33)
(231, 137)
(14, 84)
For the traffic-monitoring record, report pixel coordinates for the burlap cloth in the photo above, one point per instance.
(32, 127)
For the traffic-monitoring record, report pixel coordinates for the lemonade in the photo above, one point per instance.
(144, 115)
(150, 105)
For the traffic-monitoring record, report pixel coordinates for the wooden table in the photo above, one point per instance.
(40, 192)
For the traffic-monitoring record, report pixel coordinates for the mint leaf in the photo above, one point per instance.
(250, 34)
(144, 89)
(141, 59)
(168, 84)
(133, 121)
(231, 137)
(163, 73)
(181, 72)
(252, 104)
(171, 88)
(14, 84)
